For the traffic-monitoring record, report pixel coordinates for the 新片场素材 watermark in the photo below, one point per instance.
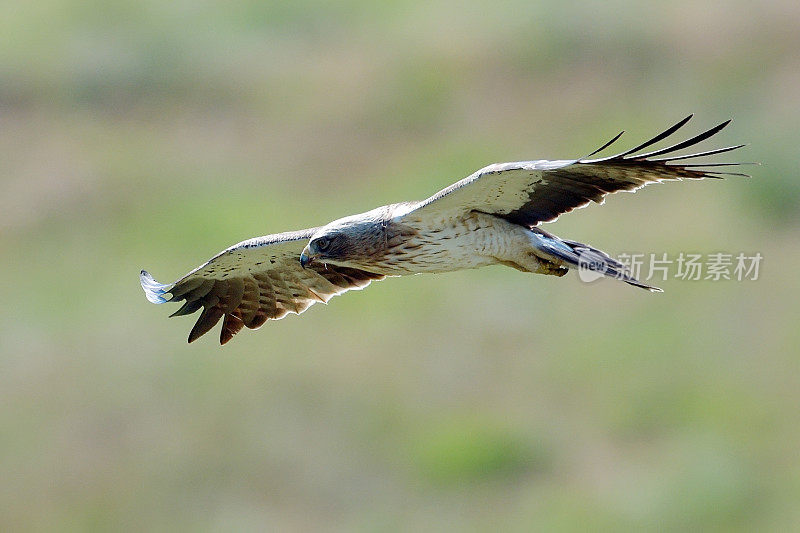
(686, 266)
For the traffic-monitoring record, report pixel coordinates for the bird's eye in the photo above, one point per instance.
(323, 243)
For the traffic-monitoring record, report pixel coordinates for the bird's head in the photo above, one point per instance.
(352, 241)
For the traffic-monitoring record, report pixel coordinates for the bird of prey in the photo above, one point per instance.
(490, 217)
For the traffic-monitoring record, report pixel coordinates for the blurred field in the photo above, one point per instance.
(154, 134)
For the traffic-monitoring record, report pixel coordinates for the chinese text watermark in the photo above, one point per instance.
(662, 266)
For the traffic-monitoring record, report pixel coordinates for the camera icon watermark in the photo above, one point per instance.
(591, 265)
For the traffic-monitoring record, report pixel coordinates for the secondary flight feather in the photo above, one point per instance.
(490, 217)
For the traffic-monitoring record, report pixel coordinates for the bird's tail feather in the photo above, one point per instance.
(582, 256)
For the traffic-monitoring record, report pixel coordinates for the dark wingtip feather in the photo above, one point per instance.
(698, 154)
(684, 144)
(663, 135)
(700, 170)
(208, 319)
(606, 145)
(699, 165)
(720, 174)
(189, 307)
(230, 327)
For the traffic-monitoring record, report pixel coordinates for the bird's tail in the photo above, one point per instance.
(588, 260)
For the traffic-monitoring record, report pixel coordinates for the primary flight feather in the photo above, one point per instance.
(490, 217)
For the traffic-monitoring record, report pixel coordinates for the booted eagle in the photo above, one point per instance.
(491, 217)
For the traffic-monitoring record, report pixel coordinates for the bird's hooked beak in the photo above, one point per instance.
(306, 258)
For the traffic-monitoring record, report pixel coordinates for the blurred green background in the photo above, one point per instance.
(153, 134)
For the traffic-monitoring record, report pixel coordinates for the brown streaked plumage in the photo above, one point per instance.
(490, 217)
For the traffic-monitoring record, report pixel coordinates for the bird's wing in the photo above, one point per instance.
(532, 192)
(252, 282)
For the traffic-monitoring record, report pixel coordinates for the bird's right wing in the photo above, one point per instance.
(532, 192)
(252, 282)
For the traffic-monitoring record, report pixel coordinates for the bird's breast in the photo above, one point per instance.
(445, 244)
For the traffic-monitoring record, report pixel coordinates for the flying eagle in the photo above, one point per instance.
(491, 217)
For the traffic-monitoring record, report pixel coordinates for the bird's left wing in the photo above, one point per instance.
(252, 282)
(532, 192)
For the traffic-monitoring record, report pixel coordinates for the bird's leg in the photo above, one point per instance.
(550, 269)
(530, 262)
(520, 248)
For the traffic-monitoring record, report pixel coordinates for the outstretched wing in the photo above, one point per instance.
(532, 192)
(252, 282)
